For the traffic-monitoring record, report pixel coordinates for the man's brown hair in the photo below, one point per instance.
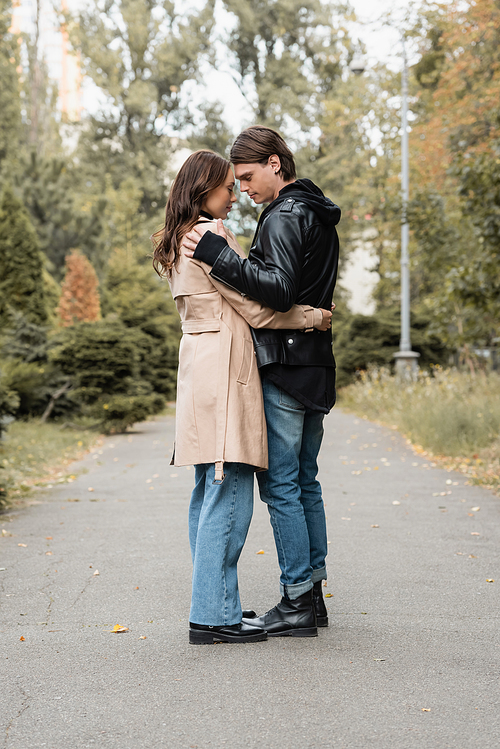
(257, 143)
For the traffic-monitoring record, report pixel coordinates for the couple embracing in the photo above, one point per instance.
(256, 377)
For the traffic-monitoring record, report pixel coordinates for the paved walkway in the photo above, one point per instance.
(410, 658)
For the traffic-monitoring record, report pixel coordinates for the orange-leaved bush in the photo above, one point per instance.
(80, 296)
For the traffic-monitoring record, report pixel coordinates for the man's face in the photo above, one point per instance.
(259, 181)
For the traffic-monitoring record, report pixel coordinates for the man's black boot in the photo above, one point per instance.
(289, 618)
(319, 607)
(319, 604)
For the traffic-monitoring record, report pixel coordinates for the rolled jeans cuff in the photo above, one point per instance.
(319, 574)
(294, 591)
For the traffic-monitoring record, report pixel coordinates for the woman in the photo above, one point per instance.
(220, 423)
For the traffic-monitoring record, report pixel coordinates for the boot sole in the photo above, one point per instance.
(306, 632)
(197, 637)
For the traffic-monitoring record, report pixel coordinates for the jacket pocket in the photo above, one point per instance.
(246, 362)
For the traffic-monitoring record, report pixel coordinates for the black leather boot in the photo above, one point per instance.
(289, 618)
(203, 634)
(319, 605)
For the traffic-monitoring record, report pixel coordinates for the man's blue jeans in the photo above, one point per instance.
(219, 518)
(291, 490)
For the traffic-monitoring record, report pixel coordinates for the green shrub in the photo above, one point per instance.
(104, 360)
(27, 370)
(446, 411)
(121, 411)
(28, 381)
(138, 298)
(9, 402)
(365, 341)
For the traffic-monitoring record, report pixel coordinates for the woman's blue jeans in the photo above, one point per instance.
(219, 518)
(292, 492)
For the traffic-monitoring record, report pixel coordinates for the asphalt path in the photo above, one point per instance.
(410, 659)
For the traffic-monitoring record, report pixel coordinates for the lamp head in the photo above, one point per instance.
(357, 65)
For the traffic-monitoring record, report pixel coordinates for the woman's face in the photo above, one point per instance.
(219, 201)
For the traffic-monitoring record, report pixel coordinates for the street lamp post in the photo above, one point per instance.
(406, 359)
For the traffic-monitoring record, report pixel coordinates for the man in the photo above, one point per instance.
(293, 259)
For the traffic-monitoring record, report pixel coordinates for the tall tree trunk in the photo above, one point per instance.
(35, 75)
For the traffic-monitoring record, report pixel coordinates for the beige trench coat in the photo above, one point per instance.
(220, 410)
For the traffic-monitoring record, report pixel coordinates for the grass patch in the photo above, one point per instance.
(449, 415)
(34, 454)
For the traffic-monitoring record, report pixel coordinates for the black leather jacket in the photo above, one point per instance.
(293, 260)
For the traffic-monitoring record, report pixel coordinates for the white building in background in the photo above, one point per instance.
(53, 48)
(358, 277)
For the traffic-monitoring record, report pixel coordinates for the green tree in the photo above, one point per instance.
(287, 56)
(62, 216)
(139, 53)
(21, 263)
(10, 102)
(358, 164)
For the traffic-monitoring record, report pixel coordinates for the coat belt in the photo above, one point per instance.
(201, 326)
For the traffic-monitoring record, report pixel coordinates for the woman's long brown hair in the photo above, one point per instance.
(202, 172)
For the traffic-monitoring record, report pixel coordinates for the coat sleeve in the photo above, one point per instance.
(299, 317)
(277, 284)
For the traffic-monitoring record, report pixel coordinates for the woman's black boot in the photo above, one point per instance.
(203, 634)
(289, 618)
(319, 604)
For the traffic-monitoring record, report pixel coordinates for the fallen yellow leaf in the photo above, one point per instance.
(328, 595)
(474, 533)
(375, 526)
(143, 637)
(48, 553)
(119, 628)
(48, 538)
(260, 552)
(475, 509)
(426, 709)
(489, 580)
(90, 489)
(95, 573)
(25, 545)
(22, 638)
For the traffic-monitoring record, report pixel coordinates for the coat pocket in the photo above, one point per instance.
(246, 362)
